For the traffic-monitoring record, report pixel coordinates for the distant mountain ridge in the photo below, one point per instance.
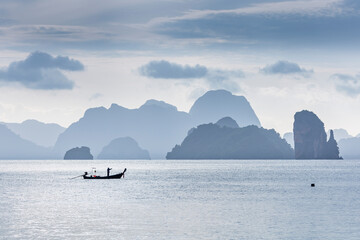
(156, 125)
(217, 104)
(153, 102)
(123, 148)
(12, 146)
(153, 126)
(350, 148)
(42, 134)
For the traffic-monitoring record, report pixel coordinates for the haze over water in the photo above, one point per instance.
(161, 199)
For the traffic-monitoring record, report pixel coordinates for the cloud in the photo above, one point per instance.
(160, 23)
(96, 96)
(345, 77)
(275, 24)
(285, 67)
(167, 70)
(303, 7)
(215, 78)
(41, 71)
(347, 84)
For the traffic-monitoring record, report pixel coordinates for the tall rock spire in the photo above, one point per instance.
(331, 149)
(310, 138)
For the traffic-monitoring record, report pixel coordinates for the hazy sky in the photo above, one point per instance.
(58, 58)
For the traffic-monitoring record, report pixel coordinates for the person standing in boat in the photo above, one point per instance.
(108, 171)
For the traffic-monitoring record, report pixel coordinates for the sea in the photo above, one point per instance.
(181, 199)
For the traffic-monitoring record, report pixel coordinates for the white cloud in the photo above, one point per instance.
(347, 84)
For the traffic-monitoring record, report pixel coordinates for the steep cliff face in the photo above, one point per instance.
(310, 138)
(217, 104)
(331, 148)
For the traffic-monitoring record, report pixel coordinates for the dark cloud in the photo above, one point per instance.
(216, 78)
(347, 84)
(285, 67)
(256, 27)
(253, 24)
(41, 71)
(168, 70)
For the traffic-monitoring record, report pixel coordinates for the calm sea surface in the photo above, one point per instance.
(181, 200)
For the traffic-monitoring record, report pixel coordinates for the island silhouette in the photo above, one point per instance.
(156, 125)
(310, 138)
(219, 141)
(118, 132)
(78, 153)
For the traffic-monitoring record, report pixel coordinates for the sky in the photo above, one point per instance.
(59, 58)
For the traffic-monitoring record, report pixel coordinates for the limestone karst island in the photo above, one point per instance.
(219, 125)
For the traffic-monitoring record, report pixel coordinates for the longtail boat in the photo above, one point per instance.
(119, 175)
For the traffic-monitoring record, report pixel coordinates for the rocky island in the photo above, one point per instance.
(310, 138)
(157, 126)
(78, 153)
(212, 141)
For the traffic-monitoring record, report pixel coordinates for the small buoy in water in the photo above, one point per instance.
(313, 185)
